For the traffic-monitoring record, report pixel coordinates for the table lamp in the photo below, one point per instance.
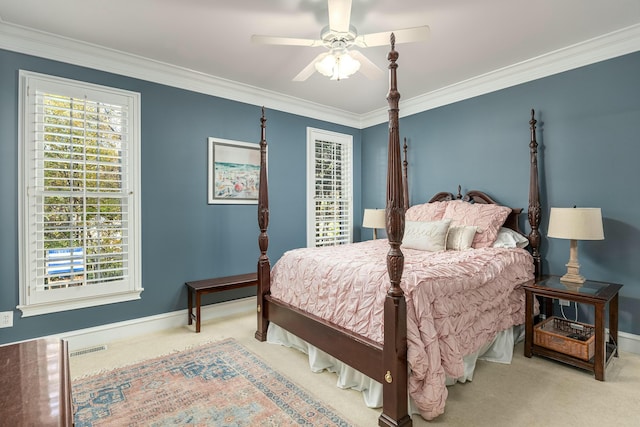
(374, 218)
(575, 224)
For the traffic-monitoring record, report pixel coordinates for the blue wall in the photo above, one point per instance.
(588, 138)
(183, 238)
(588, 156)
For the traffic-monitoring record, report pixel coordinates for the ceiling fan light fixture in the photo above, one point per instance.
(325, 65)
(338, 62)
(338, 65)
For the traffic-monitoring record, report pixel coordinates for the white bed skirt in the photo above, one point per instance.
(500, 350)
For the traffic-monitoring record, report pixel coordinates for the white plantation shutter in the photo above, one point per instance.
(80, 207)
(330, 188)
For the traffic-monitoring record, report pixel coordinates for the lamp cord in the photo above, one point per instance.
(575, 305)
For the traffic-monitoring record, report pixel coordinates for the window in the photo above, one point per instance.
(79, 196)
(329, 188)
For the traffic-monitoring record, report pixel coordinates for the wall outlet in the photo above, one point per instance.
(6, 319)
(564, 302)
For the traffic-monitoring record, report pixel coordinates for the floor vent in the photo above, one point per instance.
(87, 350)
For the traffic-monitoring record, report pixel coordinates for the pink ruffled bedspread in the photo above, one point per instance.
(456, 301)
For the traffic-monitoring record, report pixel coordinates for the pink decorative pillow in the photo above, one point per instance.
(488, 219)
(426, 212)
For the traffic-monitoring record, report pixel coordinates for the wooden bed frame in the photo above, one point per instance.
(385, 363)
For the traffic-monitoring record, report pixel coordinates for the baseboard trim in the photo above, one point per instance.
(103, 334)
(629, 342)
(89, 337)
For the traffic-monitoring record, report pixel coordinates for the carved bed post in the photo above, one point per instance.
(264, 266)
(534, 199)
(405, 177)
(394, 355)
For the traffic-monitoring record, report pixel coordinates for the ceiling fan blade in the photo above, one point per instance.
(339, 15)
(368, 68)
(287, 41)
(309, 69)
(406, 35)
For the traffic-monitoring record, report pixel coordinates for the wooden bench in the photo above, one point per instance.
(218, 284)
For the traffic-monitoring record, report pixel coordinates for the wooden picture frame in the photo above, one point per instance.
(234, 172)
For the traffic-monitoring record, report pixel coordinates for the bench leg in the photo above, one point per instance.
(197, 311)
(190, 305)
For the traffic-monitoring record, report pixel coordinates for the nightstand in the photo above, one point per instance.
(598, 294)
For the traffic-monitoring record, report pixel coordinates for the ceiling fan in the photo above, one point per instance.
(339, 37)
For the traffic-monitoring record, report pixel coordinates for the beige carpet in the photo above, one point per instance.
(529, 392)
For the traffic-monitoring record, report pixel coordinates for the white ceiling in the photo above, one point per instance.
(469, 38)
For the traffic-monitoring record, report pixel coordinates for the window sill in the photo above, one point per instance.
(55, 307)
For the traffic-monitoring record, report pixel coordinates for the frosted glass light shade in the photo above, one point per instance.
(325, 66)
(338, 65)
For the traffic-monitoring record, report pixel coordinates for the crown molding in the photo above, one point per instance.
(617, 43)
(49, 46)
(45, 45)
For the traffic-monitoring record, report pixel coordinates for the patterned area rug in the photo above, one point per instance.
(218, 384)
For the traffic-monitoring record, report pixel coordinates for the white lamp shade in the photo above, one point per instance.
(374, 218)
(576, 223)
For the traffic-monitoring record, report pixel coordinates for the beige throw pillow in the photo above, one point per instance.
(460, 237)
(426, 235)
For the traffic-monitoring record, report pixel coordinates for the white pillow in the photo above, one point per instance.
(426, 235)
(507, 238)
(460, 237)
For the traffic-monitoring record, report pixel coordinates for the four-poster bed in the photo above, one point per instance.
(381, 353)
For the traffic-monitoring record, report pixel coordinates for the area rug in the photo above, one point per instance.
(218, 384)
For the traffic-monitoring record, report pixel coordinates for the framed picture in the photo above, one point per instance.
(234, 172)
